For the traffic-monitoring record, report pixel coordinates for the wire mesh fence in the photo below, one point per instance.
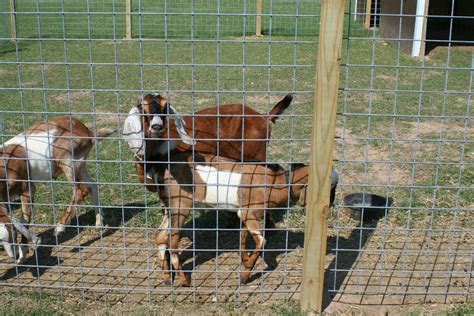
(172, 19)
(404, 132)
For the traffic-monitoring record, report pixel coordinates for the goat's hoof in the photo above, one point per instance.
(185, 283)
(244, 277)
(168, 282)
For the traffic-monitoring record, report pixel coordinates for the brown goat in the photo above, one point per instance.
(232, 130)
(245, 188)
(42, 153)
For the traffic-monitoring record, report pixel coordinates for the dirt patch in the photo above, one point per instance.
(4, 72)
(107, 118)
(449, 127)
(119, 268)
(73, 95)
(387, 77)
(375, 165)
(261, 100)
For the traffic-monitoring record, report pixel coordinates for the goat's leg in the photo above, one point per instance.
(27, 199)
(253, 227)
(149, 183)
(184, 280)
(178, 217)
(92, 187)
(162, 241)
(168, 240)
(77, 196)
(243, 245)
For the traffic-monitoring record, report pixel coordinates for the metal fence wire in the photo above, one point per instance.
(404, 132)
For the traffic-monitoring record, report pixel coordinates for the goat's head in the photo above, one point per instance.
(10, 228)
(6, 232)
(299, 182)
(154, 109)
(149, 119)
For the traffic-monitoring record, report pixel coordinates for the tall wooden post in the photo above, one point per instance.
(324, 125)
(368, 11)
(258, 20)
(12, 20)
(128, 19)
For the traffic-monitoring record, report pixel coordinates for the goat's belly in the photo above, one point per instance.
(222, 187)
(38, 148)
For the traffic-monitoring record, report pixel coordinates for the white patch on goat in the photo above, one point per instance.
(5, 238)
(38, 149)
(175, 260)
(22, 254)
(162, 251)
(221, 186)
(262, 240)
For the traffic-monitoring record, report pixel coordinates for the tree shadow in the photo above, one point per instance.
(43, 259)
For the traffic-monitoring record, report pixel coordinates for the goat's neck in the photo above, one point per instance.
(299, 180)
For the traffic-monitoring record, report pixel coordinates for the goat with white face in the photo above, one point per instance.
(248, 189)
(234, 131)
(146, 132)
(9, 229)
(42, 153)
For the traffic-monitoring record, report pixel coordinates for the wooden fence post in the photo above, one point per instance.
(258, 19)
(368, 13)
(322, 139)
(12, 20)
(128, 19)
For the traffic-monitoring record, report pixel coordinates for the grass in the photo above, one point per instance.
(107, 90)
(180, 19)
(35, 304)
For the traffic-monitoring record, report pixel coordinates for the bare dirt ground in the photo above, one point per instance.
(416, 260)
(396, 271)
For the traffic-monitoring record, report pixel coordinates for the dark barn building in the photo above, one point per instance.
(421, 25)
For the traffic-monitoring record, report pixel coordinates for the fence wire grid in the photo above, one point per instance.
(404, 131)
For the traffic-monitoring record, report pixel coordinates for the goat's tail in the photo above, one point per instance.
(280, 107)
(104, 132)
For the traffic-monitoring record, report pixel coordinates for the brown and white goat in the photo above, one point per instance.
(232, 130)
(57, 146)
(245, 188)
(9, 229)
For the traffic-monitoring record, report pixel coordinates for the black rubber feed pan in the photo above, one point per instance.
(370, 206)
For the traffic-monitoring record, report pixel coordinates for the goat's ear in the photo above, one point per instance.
(133, 132)
(162, 102)
(139, 104)
(180, 126)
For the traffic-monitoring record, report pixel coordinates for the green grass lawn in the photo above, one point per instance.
(182, 19)
(105, 91)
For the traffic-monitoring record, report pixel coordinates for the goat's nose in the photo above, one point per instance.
(157, 127)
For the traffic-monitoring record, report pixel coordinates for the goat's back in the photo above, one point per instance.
(47, 143)
(224, 182)
(231, 130)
